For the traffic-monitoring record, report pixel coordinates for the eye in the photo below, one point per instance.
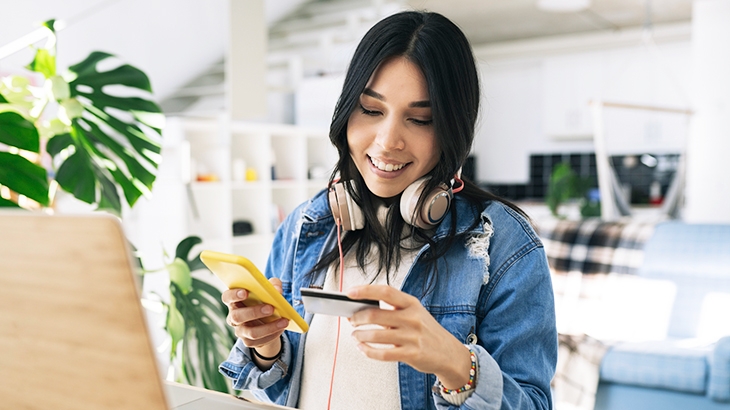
(421, 122)
(369, 112)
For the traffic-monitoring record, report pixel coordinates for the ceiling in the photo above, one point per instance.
(490, 21)
(177, 41)
(322, 33)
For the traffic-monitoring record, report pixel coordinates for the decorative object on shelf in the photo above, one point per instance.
(218, 143)
(209, 177)
(100, 145)
(565, 184)
(242, 228)
(251, 174)
(195, 321)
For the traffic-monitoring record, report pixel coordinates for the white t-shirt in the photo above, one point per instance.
(359, 382)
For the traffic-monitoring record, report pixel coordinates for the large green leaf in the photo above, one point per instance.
(24, 177)
(4, 203)
(183, 252)
(180, 275)
(119, 135)
(76, 175)
(58, 143)
(175, 323)
(44, 61)
(109, 195)
(3, 100)
(207, 339)
(18, 132)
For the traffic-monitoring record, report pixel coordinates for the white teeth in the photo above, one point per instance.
(386, 167)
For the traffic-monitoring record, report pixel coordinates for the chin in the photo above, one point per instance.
(384, 192)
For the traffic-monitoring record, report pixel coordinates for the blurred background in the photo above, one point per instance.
(602, 119)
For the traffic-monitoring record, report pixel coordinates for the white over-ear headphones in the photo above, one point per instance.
(435, 205)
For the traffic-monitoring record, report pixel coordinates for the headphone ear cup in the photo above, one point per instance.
(435, 204)
(357, 218)
(345, 209)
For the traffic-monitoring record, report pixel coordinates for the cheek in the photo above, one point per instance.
(432, 152)
(356, 137)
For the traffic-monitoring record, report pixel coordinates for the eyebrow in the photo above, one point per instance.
(416, 104)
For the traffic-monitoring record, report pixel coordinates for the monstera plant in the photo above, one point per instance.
(93, 131)
(195, 320)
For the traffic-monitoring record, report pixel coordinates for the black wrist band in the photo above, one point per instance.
(274, 357)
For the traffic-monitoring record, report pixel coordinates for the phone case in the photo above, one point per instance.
(238, 272)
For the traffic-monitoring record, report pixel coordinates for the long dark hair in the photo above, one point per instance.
(439, 48)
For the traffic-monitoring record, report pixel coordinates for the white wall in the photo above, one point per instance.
(708, 187)
(538, 102)
(171, 40)
(541, 105)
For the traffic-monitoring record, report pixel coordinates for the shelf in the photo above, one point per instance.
(250, 185)
(249, 239)
(220, 145)
(285, 184)
(200, 185)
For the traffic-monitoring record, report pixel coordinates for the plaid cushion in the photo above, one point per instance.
(591, 246)
(576, 377)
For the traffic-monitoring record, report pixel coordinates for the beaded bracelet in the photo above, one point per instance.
(472, 375)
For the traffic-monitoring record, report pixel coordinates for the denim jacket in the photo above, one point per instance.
(493, 292)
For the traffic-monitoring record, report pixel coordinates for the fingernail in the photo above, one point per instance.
(267, 310)
(282, 323)
(241, 294)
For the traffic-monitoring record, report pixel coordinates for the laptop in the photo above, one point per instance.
(73, 334)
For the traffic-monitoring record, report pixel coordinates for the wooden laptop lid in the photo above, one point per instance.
(72, 331)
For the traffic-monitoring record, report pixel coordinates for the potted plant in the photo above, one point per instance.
(94, 133)
(195, 320)
(564, 185)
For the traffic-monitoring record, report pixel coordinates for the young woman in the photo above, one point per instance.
(470, 318)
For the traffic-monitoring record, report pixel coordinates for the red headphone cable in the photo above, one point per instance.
(337, 340)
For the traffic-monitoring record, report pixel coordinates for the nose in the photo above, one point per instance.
(390, 135)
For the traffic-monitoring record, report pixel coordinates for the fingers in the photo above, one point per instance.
(393, 337)
(388, 294)
(382, 317)
(259, 334)
(394, 354)
(233, 298)
(239, 316)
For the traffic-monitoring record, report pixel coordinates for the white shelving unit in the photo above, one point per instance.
(279, 156)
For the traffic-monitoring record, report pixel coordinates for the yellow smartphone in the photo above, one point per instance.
(238, 272)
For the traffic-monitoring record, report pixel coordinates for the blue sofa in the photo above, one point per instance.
(687, 370)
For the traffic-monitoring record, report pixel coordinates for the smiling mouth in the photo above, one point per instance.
(386, 167)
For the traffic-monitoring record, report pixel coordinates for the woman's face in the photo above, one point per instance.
(390, 134)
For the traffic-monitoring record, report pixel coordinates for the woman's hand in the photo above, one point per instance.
(248, 323)
(418, 339)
